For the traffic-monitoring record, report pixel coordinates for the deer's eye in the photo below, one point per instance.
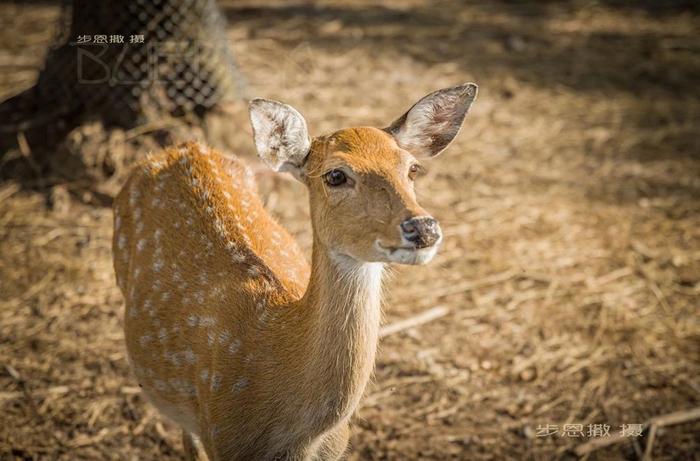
(335, 178)
(413, 171)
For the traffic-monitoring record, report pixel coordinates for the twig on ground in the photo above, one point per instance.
(150, 127)
(467, 285)
(677, 417)
(412, 322)
(8, 191)
(653, 424)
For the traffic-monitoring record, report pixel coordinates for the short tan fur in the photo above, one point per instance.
(229, 331)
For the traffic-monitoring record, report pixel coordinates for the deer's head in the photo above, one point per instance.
(361, 180)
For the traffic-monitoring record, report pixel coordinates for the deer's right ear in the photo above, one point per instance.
(280, 133)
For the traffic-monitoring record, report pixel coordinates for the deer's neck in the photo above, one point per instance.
(343, 302)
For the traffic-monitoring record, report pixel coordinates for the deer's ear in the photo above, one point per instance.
(280, 133)
(433, 122)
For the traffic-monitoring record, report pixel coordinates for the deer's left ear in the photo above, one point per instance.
(433, 122)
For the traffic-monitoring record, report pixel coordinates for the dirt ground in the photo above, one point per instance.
(570, 203)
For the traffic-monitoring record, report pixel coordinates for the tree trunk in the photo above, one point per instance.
(182, 66)
(77, 121)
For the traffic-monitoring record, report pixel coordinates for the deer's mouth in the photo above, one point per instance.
(407, 254)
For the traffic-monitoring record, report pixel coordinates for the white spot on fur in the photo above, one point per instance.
(224, 337)
(207, 321)
(141, 245)
(240, 385)
(192, 320)
(148, 306)
(182, 386)
(217, 293)
(236, 256)
(135, 194)
(172, 357)
(220, 228)
(189, 356)
(215, 382)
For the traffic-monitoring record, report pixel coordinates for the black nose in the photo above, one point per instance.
(422, 232)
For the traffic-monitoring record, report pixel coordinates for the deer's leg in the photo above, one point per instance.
(193, 449)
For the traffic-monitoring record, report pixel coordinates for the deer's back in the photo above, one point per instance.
(202, 266)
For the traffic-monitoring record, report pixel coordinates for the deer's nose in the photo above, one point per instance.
(422, 231)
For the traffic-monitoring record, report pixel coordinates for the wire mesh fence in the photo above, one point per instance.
(127, 59)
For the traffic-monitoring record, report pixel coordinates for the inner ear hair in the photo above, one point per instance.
(280, 133)
(432, 123)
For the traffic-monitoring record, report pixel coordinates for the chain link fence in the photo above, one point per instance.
(131, 60)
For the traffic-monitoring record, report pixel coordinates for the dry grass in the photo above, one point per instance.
(571, 204)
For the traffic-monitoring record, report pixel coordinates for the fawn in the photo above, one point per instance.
(229, 332)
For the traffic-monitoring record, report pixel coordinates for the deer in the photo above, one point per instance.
(231, 334)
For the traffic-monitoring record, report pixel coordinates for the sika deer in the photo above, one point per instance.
(228, 330)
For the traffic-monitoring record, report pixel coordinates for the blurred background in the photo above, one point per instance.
(567, 290)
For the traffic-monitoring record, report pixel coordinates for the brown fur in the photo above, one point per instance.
(385, 197)
(222, 331)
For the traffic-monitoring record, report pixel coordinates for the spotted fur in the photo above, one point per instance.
(229, 331)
